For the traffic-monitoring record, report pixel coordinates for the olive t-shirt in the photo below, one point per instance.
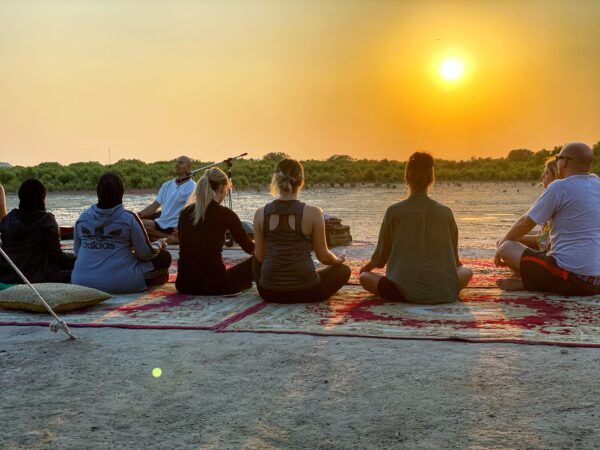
(418, 241)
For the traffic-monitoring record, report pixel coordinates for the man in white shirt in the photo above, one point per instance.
(172, 198)
(572, 203)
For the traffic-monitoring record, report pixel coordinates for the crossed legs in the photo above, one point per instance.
(370, 281)
(154, 234)
(509, 254)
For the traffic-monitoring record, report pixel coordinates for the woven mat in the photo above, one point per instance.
(162, 307)
(484, 315)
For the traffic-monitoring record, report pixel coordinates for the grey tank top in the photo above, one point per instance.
(288, 263)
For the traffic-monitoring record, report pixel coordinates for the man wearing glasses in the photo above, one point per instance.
(572, 203)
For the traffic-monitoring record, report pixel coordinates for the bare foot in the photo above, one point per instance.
(510, 284)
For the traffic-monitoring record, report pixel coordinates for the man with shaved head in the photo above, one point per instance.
(572, 204)
(172, 197)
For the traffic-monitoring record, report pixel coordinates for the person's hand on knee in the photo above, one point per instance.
(498, 261)
(368, 267)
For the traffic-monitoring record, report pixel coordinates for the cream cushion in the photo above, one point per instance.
(61, 297)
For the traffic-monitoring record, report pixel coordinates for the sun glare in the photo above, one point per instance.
(451, 69)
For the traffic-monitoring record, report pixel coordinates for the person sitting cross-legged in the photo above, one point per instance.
(172, 197)
(113, 251)
(540, 240)
(202, 227)
(285, 232)
(30, 237)
(419, 243)
(572, 203)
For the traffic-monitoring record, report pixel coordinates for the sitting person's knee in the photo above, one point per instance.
(467, 272)
(364, 277)
(345, 270)
(163, 259)
(505, 247)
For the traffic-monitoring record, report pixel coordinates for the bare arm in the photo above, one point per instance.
(529, 240)
(259, 239)
(382, 251)
(143, 249)
(239, 234)
(521, 227)
(149, 210)
(3, 211)
(319, 239)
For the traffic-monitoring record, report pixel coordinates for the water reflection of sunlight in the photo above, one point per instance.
(475, 219)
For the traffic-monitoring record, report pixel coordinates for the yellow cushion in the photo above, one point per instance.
(61, 297)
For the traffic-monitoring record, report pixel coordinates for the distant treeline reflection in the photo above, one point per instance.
(338, 170)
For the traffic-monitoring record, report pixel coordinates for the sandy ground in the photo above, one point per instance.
(246, 390)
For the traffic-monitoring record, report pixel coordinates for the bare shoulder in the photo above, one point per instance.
(313, 212)
(259, 214)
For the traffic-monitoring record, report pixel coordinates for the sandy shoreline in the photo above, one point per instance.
(273, 391)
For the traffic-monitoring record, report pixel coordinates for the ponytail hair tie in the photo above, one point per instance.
(287, 178)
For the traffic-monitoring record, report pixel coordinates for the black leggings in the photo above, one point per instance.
(332, 279)
(231, 281)
(160, 273)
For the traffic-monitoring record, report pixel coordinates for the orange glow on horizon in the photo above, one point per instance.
(367, 79)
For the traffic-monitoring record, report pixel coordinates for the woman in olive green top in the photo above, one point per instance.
(419, 243)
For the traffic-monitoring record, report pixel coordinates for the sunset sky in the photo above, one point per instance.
(153, 80)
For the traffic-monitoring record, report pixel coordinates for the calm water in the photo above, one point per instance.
(483, 211)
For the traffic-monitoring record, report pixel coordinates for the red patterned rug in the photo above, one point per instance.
(484, 315)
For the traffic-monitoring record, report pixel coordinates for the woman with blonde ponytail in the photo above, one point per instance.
(202, 227)
(286, 230)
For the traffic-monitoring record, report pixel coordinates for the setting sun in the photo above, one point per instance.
(452, 69)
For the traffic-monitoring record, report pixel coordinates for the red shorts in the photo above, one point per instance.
(540, 272)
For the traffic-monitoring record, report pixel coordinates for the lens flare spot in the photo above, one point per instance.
(156, 372)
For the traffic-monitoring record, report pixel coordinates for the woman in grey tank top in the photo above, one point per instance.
(286, 231)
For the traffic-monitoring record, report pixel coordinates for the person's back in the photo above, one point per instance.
(285, 232)
(30, 237)
(418, 242)
(113, 250)
(288, 263)
(419, 247)
(103, 244)
(572, 205)
(575, 232)
(201, 227)
(201, 244)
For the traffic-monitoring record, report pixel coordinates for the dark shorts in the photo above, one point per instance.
(216, 281)
(332, 279)
(168, 230)
(388, 290)
(540, 272)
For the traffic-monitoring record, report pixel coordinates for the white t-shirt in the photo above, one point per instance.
(172, 198)
(573, 205)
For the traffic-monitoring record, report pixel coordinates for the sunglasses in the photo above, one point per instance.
(559, 157)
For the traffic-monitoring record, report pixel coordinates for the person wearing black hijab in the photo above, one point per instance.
(30, 237)
(112, 247)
